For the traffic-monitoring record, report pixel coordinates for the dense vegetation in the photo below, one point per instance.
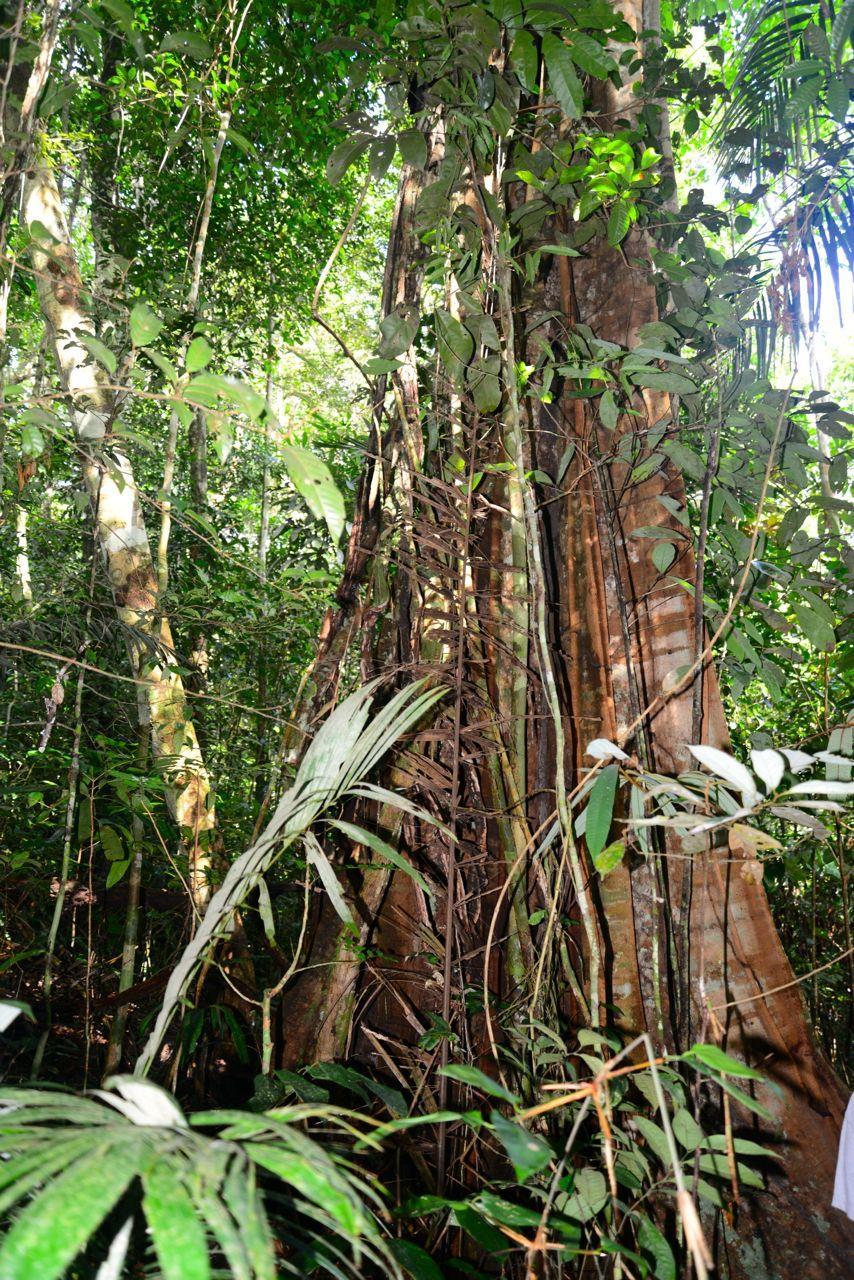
(427, 727)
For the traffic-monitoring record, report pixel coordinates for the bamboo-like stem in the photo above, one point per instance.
(131, 934)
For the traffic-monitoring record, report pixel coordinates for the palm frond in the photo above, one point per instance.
(84, 1168)
(346, 748)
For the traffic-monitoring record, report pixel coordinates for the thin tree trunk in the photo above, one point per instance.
(121, 532)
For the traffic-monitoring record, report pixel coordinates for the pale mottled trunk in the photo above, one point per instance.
(24, 582)
(121, 532)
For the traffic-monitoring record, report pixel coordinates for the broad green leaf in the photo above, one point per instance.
(198, 355)
(589, 1195)
(415, 1262)
(714, 1058)
(478, 1080)
(618, 222)
(802, 98)
(525, 60)
(610, 857)
(191, 43)
(653, 1242)
(485, 383)
(685, 459)
(686, 1130)
(588, 54)
(387, 851)
(145, 325)
(608, 412)
(117, 871)
(600, 809)
(382, 154)
(176, 1232)
(663, 555)
(455, 343)
(345, 155)
(528, 1152)
(655, 1136)
(817, 630)
(32, 441)
(658, 380)
(413, 147)
(61, 1220)
(313, 481)
(397, 331)
(562, 76)
(838, 99)
(111, 842)
(99, 351)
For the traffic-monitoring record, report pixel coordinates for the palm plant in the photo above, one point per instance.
(94, 1169)
(787, 123)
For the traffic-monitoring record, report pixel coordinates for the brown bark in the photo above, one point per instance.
(619, 630)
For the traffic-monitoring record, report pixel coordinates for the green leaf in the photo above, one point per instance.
(838, 99)
(318, 859)
(527, 1151)
(608, 412)
(610, 857)
(145, 325)
(32, 441)
(479, 1080)
(485, 383)
(600, 809)
(191, 43)
(803, 97)
(455, 343)
(655, 1136)
(414, 1260)
(653, 1242)
(525, 61)
(562, 77)
(589, 1195)
(382, 154)
(111, 842)
(714, 1058)
(313, 481)
(397, 331)
(413, 147)
(817, 630)
(99, 351)
(588, 54)
(659, 380)
(198, 355)
(686, 1130)
(663, 555)
(387, 851)
(618, 221)
(63, 1217)
(176, 1232)
(310, 1180)
(117, 871)
(344, 155)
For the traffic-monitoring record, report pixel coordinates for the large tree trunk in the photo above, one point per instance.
(120, 525)
(439, 580)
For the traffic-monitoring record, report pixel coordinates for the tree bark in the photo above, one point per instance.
(121, 531)
(689, 946)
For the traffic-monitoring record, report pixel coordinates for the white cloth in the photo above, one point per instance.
(843, 1187)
